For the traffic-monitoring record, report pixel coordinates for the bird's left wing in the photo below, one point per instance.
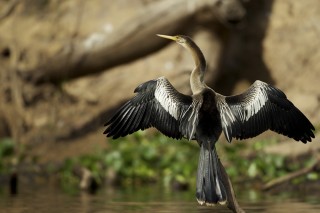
(157, 104)
(260, 108)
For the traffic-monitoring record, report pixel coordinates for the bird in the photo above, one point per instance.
(205, 114)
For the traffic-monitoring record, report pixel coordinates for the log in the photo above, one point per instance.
(284, 179)
(102, 50)
(25, 61)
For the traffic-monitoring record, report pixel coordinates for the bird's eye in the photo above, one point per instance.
(179, 40)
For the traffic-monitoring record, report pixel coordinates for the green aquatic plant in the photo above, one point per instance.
(139, 158)
(258, 165)
(152, 157)
(147, 157)
(263, 167)
(7, 151)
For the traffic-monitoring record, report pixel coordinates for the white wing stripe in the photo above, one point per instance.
(227, 117)
(162, 94)
(196, 104)
(254, 105)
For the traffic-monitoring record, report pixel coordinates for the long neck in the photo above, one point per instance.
(197, 75)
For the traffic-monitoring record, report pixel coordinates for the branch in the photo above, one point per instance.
(9, 9)
(275, 182)
(100, 50)
(231, 198)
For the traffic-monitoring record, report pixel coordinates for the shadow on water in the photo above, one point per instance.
(48, 198)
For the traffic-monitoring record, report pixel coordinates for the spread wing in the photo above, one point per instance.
(260, 108)
(157, 104)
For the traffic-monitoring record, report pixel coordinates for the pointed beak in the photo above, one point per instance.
(167, 37)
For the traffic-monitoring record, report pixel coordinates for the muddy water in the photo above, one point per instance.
(143, 199)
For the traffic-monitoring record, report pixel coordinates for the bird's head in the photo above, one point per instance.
(187, 43)
(180, 39)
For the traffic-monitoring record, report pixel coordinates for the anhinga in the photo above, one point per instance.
(204, 115)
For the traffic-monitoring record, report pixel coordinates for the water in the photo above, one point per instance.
(142, 199)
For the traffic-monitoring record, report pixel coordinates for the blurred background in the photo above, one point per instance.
(67, 65)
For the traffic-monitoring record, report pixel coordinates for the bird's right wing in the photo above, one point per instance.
(157, 104)
(260, 108)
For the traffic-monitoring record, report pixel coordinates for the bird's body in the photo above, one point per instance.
(204, 115)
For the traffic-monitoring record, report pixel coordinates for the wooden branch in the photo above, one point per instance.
(11, 106)
(131, 41)
(273, 183)
(8, 9)
(232, 202)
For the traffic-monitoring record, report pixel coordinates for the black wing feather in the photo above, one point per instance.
(260, 108)
(146, 110)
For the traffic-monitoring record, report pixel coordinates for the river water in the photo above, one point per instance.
(42, 198)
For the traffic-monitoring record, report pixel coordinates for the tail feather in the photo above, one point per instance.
(210, 188)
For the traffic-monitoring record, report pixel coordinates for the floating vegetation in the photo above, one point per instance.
(148, 157)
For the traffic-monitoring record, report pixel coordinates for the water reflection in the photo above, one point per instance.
(148, 199)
